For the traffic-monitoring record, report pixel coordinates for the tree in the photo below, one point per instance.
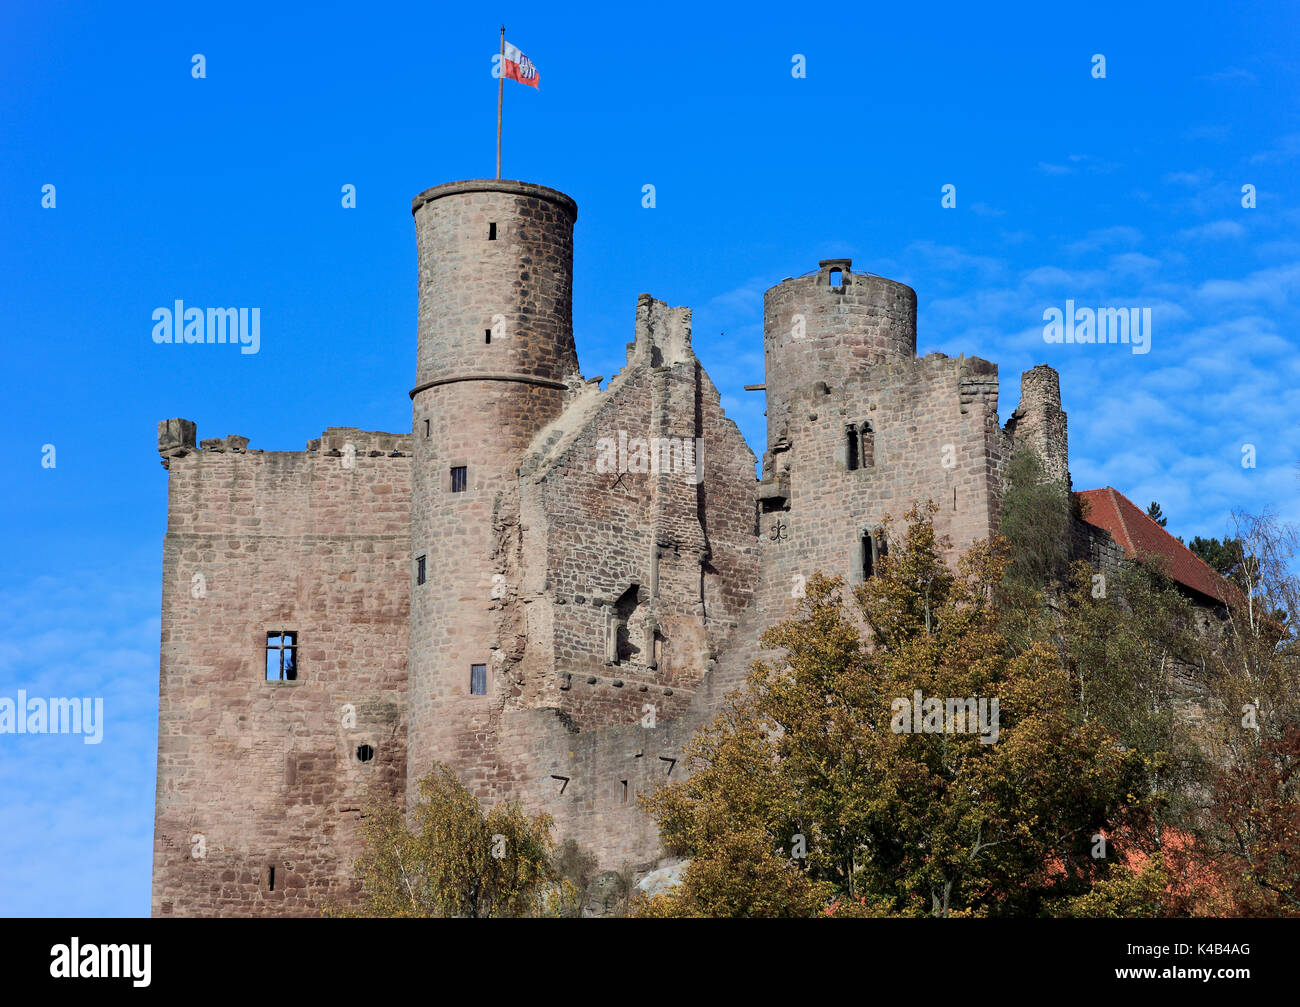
(1035, 524)
(725, 815)
(1251, 664)
(458, 860)
(1125, 895)
(1122, 638)
(1256, 808)
(573, 867)
(990, 815)
(1223, 556)
(1156, 514)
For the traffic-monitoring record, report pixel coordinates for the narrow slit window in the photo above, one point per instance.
(426, 428)
(487, 336)
(270, 879)
(868, 557)
(492, 232)
(851, 446)
(282, 656)
(458, 479)
(868, 453)
(421, 566)
(478, 679)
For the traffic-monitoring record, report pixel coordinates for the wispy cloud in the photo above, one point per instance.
(1234, 73)
(1188, 178)
(1212, 230)
(86, 808)
(1286, 149)
(1105, 237)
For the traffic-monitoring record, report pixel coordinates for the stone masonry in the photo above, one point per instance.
(546, 584)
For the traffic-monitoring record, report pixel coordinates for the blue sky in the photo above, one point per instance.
(1123, 191)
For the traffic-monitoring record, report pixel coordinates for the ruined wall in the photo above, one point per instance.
(267, 773)
(649, 501)
(583, 731)
(1040, 424)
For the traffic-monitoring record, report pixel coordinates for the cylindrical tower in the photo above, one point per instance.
(495, 348)
(827, 323)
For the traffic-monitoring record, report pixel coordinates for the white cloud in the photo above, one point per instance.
(1105, 237)
(1213, 229)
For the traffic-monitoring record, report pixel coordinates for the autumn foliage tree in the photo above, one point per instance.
(1256, 822)
(810, 791)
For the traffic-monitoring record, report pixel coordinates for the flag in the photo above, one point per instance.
(519, 67)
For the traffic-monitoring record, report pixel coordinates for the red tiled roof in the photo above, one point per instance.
(1141, 537)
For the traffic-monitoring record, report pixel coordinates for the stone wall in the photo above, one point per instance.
(859, 429)
(267, 773)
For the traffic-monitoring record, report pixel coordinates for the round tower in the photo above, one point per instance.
(495, 345)
(818, 326)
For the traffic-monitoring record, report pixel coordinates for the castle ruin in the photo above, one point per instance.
(545, 584)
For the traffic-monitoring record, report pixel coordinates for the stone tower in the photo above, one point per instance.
(495, 349)
(828, 323)
(859, 428)
(1039, 422)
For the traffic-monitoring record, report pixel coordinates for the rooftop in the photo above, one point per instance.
(1141, 538)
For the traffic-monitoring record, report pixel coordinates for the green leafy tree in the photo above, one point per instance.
(457, 860)
(1223, 556)
(1035, 524)
(726, 815)
(1124, 637)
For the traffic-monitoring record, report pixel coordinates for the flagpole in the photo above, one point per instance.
(501, 87)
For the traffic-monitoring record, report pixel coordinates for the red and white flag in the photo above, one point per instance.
(519, 67)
